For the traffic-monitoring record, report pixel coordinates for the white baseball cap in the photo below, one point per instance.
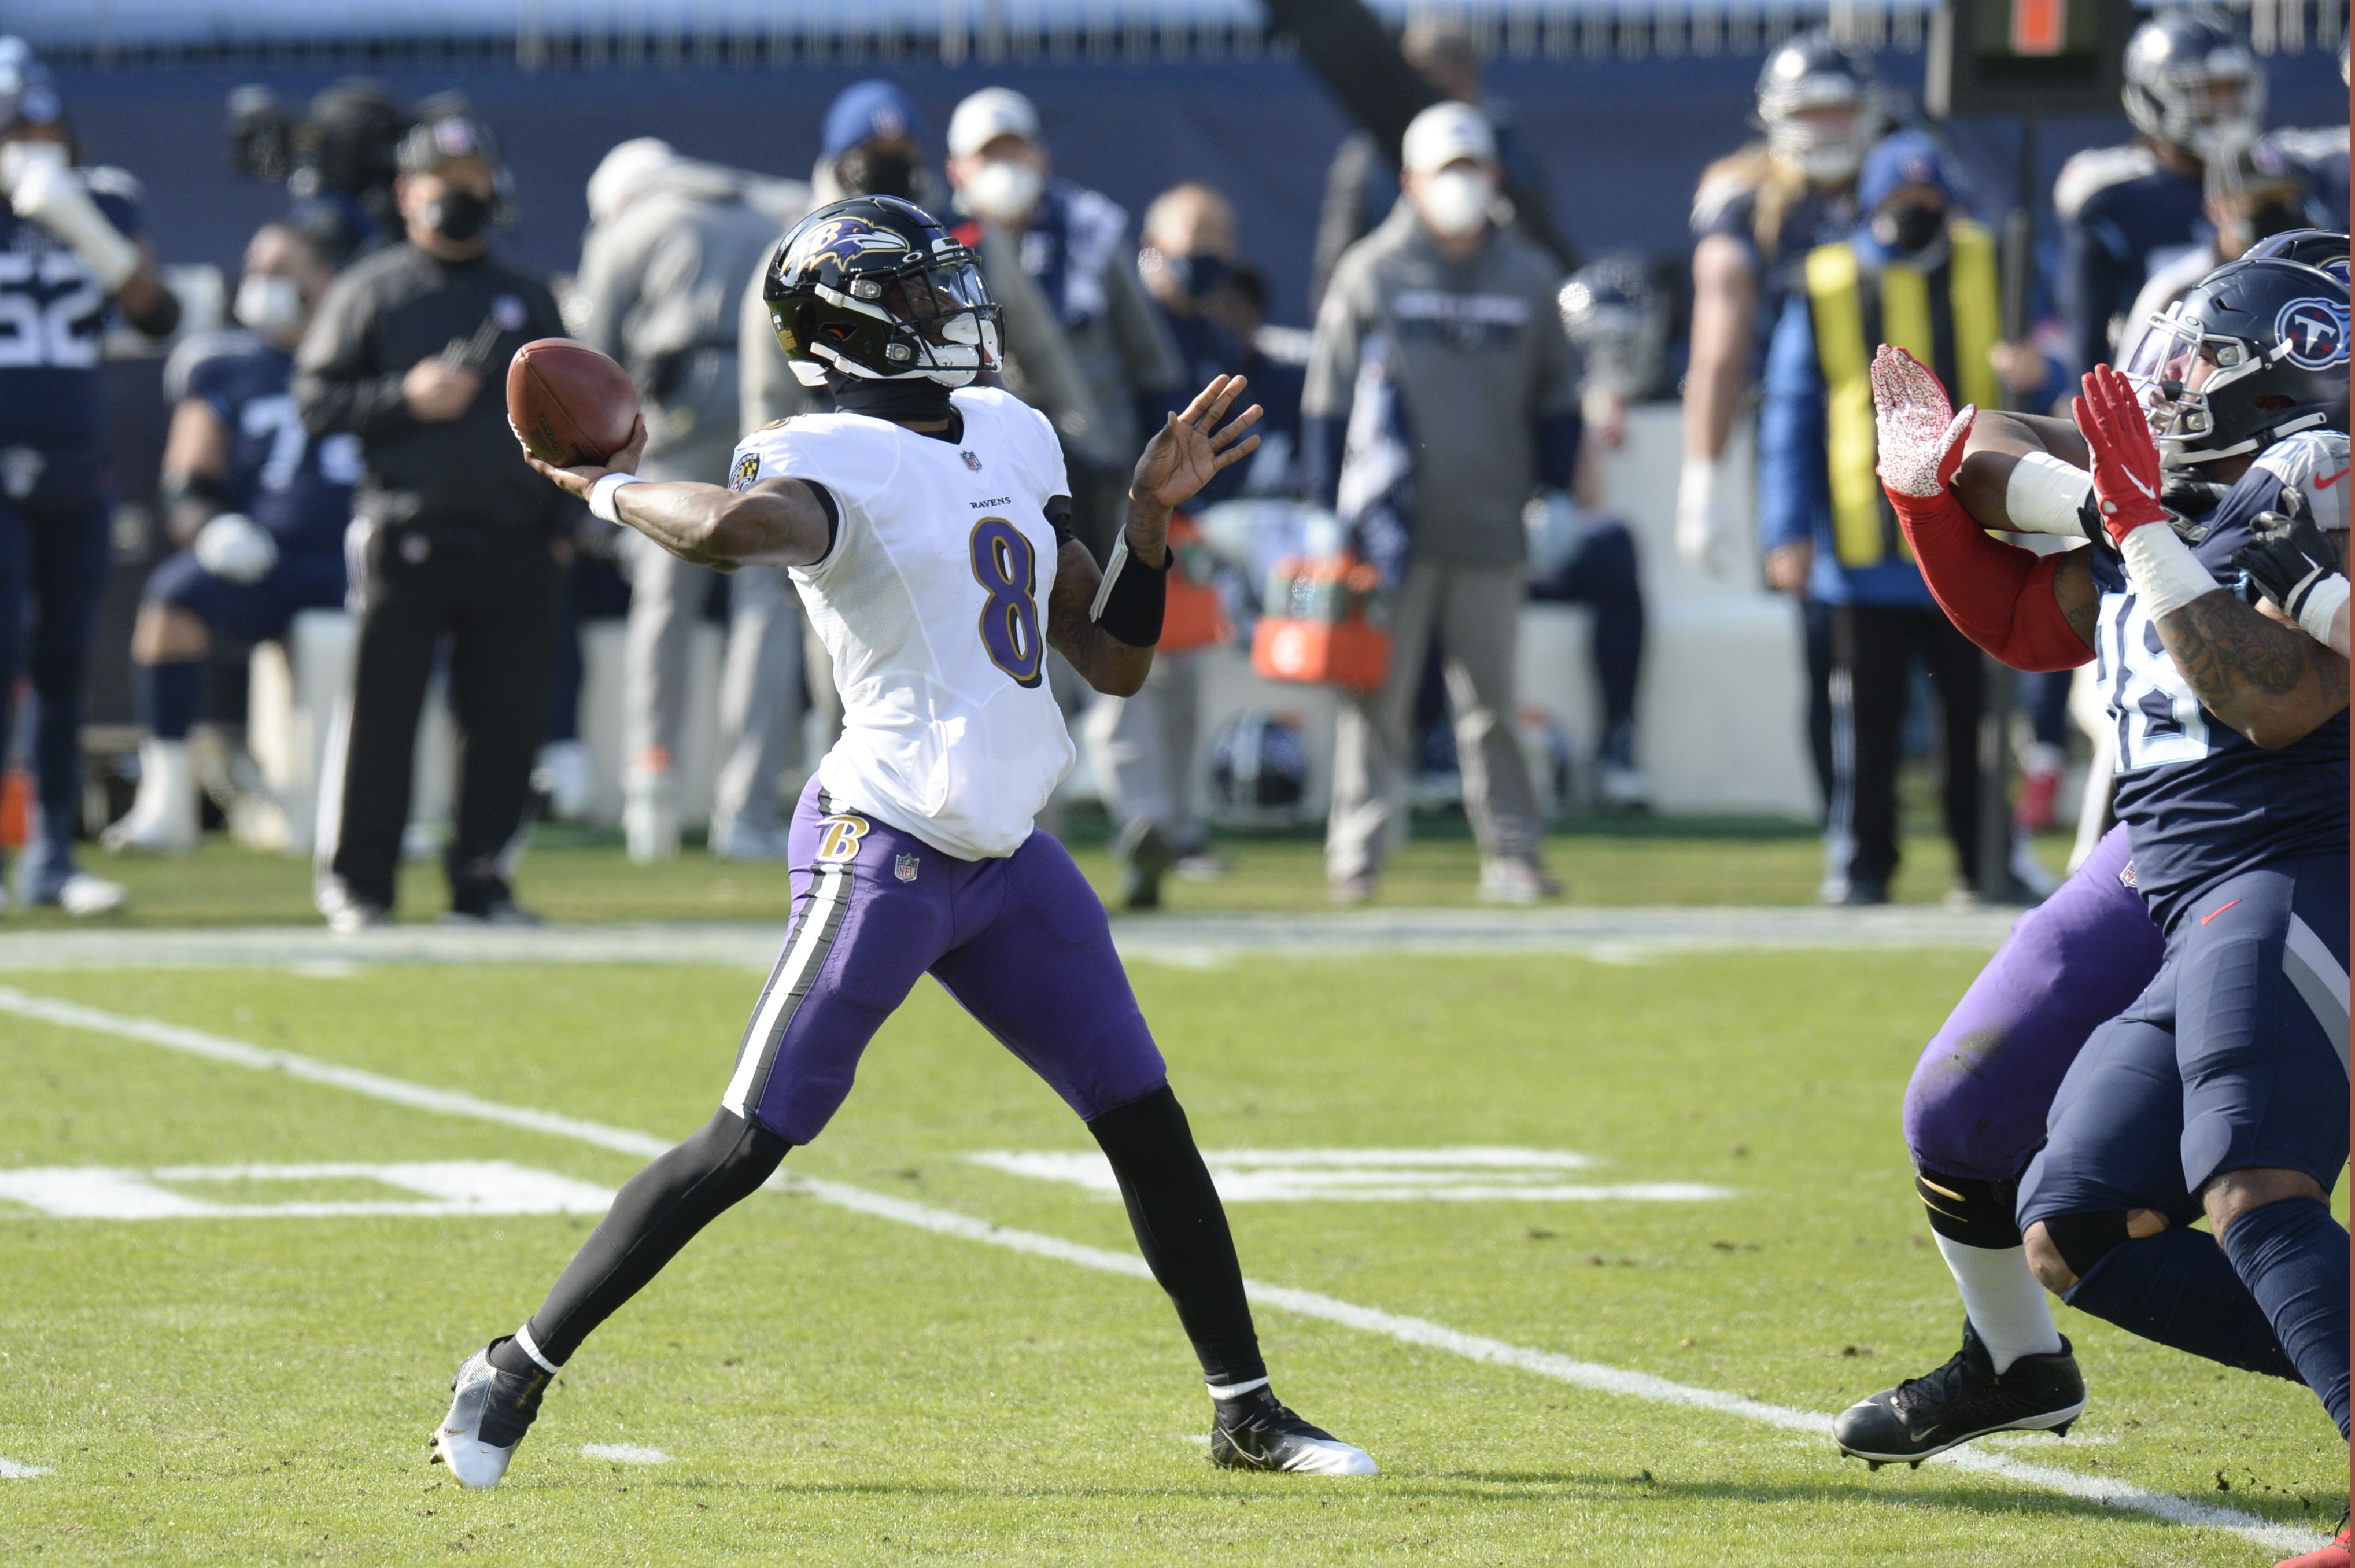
(992, 113)
(1443, 134)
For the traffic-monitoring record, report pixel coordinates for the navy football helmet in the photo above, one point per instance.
(2321, 248)
(1619, 320)
(2191, 83)
(27, 95)
(1814, 71)
(2256, 352)
(872, 286)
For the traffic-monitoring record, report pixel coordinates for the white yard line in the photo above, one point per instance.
(1605, 935)
(12, 1471)
(624, 1452)
(1394, 1325)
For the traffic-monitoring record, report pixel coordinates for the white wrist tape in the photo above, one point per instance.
(2044, 494)
(52, 196)
(601, 495)
(1698, 481)
(2320, 611)
(1112, 575)
(2167, 576)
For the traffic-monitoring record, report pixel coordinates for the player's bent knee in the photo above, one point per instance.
(2045, 1261)
(2064, 1248)
(1974, 1213)
(166, 633)
(2233, 1193)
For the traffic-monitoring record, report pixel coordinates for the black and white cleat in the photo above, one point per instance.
(1963, 1400)
(489, 1413)
(1256, 1432)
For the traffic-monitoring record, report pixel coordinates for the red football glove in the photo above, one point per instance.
(2125, 460)
(1999, 596)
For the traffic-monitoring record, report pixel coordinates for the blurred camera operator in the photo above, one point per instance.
(671, 245)
(70, 248)
(259, 510)
(455, 535)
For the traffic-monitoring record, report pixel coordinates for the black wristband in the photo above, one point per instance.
(1134, 600)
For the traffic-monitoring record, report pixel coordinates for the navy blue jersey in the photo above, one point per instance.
(296, 486)
(51, 309)
(2200, 800)
(2122, 218)
(1728, 205)
(2321, 152)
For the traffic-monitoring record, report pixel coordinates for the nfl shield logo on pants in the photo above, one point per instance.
(904, 868)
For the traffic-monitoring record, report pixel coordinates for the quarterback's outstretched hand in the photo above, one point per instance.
(581, 480)
(2126, 478)
(1186, 454)
(1921, 435)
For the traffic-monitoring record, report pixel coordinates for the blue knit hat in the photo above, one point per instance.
(868, 110)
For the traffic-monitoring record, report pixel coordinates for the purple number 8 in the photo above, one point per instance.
(1005, 563)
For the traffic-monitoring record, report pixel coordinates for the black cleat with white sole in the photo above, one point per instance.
(1256, 1432)
(1962, 1400)
(489, 1413)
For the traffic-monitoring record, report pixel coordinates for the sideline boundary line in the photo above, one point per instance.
(1601, 1379)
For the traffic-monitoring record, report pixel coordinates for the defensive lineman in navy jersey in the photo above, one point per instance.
(69, 248)
(2223, 1089)
(2193, 90)
(259, 507)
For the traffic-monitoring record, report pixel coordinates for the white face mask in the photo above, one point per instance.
(1004, 190)
(18, 158)
(269, 304)
(1456, 201)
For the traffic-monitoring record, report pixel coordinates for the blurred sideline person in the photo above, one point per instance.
(671, 244)
(1582, 554)
(1074, 250)
(1141, 747)
(1926, 280)
(2252, 192)
(453, 534)
(71, 248)
(1458, 318)
(2195, 94)
(1757, 214)
(257, 507)
(1361, 185)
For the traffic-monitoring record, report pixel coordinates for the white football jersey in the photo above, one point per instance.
(933, 603)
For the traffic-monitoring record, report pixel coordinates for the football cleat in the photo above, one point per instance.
(1144, 857)
(489, 1413)
(80, 894)
(1962, 1400)
(1256, 1432)
(1506, 882)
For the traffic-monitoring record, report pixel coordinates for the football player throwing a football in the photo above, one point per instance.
(923, 524)
(2221, 1088)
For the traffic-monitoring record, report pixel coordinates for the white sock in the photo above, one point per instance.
(2005, 1301)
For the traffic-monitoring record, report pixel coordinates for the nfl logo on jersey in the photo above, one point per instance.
(904, 868)
(971, 461)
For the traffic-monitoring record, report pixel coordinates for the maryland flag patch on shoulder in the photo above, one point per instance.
(748, 470)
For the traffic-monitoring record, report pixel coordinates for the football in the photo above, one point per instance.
(569, 404)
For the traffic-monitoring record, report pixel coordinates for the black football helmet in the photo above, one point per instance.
(2191, 83)
(873, 287)
(1616, 315)
(1814, 70)
(2256, 352)
(2318, 248)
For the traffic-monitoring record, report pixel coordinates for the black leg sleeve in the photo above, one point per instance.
(658, 1211)
(1182, 1229)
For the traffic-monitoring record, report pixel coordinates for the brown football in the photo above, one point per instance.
(569, 404)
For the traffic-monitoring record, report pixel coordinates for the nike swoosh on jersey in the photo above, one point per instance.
(2214, 912)
(2326, 483)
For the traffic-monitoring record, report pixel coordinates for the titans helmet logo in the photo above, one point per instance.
(2313, 332)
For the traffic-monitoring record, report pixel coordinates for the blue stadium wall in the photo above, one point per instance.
(1624, 140)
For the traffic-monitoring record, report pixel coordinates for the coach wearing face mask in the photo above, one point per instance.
(453, 534)
(1916, 274)
(1439, 334)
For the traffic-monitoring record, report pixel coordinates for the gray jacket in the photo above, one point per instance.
(1479, 359)
(659, 290)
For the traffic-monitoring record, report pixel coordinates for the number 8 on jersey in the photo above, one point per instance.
(1006, 564)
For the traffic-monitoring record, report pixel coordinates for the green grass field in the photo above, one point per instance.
(832, 1384)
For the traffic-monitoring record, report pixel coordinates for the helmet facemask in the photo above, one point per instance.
(1806, 129)
(2183, 374)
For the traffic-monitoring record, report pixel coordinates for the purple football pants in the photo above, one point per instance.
(1021, 943)
(1978, 1103)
